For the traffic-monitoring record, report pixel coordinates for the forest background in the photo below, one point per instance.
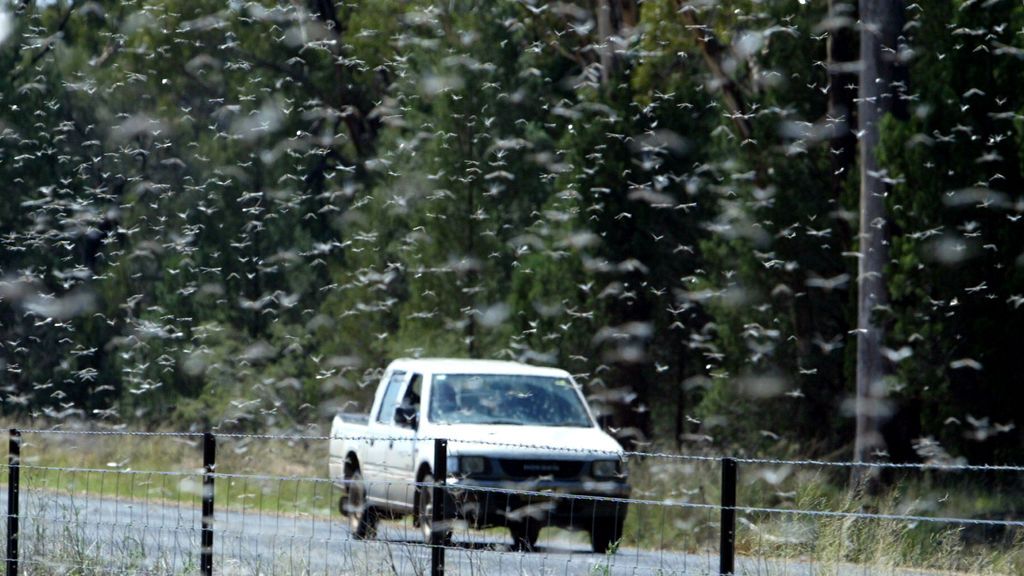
(234, 214)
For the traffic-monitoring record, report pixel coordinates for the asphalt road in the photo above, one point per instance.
(62, 532)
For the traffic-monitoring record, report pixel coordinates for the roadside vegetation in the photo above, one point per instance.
(775, 539)
(241, 232)
(285, 478)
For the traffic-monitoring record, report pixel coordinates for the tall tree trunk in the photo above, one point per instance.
(613, 16)
(605, 30)
(881, 22)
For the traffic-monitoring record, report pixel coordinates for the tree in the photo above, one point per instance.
(955, 277)
(881, 22)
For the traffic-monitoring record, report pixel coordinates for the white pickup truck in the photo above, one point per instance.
(520, 438)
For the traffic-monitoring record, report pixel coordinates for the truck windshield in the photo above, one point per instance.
(506, 399)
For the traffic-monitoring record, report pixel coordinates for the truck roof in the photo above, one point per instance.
(472, 366)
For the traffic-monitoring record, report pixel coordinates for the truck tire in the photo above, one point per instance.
(362, 518)
(425, 511)
(605, 534)
(524, 535)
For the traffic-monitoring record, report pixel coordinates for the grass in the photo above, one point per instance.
(73, 547)
(65, 546)
(169, 470)
(832, 544)
(284, 486)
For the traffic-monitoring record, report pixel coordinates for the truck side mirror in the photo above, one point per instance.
(407, 416)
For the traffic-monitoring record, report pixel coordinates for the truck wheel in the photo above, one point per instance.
(362, 519)
(425, 512)
(605, 534)
(524, 535)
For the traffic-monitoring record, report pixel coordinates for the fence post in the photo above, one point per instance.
(13, 488)
(209, 466)
(439, 519)
(727, 548)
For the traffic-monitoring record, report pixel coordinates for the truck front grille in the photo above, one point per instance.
(535, 468)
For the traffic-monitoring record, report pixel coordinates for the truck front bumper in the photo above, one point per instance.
(563, 504)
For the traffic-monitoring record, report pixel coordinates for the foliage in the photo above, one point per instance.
(234, 214)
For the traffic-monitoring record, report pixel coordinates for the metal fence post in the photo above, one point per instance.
(439, 517)
(727, 548)
(209, 466)
(13, 488)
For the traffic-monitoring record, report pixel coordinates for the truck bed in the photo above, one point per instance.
(357, 418)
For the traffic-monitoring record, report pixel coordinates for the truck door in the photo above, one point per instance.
(380, 428)
(399, 459)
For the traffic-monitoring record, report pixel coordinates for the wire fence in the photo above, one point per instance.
(182, 503)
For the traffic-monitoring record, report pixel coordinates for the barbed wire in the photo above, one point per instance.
(198, 472)
(939, 466)
(923, 466)
(541, 494)
(880, 516)
(471, 488)
(72, 432)
(552, 494)
(611, 561)
(547, 564)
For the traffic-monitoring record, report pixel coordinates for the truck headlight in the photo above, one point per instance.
(605, 469)
(472, 465)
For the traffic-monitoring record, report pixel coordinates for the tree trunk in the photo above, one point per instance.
(881, 22)
(613, 16)
(713, 53)
(605, 30)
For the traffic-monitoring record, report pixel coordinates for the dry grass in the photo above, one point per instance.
(777, 542)
(774, 540)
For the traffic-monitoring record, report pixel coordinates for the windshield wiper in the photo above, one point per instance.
(500, 421)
